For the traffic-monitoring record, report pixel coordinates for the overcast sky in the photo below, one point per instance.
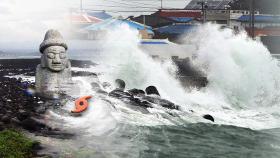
(25, 21)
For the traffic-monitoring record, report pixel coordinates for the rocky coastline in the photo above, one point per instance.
(20, 108)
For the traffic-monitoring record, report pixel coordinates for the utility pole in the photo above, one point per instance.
(203, 10)
(161, 4)
(252, 19)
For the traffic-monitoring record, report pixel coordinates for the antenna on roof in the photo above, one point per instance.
(161, 4)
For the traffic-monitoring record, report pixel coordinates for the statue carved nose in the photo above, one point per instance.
(56, 60)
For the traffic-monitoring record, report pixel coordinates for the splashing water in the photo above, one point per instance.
(242, 88)
(237, 67)
(137, 69)
(242, 91)
(242, 77)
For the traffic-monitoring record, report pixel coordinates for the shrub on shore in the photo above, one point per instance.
(13, 144)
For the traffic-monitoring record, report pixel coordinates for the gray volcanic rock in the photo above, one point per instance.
(52, 85)
(53, 75)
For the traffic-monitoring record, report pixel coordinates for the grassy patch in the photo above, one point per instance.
(15, 145)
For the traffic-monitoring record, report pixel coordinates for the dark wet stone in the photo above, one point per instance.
(152, 90)
(15, 121)
(120, 84)
(84, 73)
(2, 126)
(6, 119)
(161, 102)
(41, 109)
(22, 115)
(136, 92)
(117, 93)
(56, 134)
(31, 124)
(209, 117)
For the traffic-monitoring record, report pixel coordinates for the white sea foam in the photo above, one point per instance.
(243, 79)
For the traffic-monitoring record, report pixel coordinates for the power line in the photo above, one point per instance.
(137, 11)
(127, 4)
(133, 1)
(114, 6)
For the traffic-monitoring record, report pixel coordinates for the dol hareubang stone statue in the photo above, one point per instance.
(53, 75)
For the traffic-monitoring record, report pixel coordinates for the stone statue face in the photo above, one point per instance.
(55, 58)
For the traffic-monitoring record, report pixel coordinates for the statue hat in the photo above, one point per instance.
(52, 38)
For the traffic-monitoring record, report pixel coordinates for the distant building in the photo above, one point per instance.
(265, 25)
(153, 20)
(266, 28)
(100, 15)
(211, 4)
(174, 30)
(216, 11)
(79, 19)
(218, 16)
(82, 18)
(180, 13)
(164, 49)
(165, 17)
(99, 30)
(261, 21)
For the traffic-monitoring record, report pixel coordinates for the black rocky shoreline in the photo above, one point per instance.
(22, 110)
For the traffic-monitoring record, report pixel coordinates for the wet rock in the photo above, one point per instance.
(136, 92)
(106, 85)
(6, 119)
(22, 115)
(136, 97)
(120, 84)
(31, 124)
(130, 99)
(84, 73)
(95, 86)
(2, 127)
(41, 109)
(15, 121)
(152, 90)
(209, 117)
(161, 102)
(120, 94)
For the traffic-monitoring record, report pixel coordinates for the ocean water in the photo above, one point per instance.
(242, 96)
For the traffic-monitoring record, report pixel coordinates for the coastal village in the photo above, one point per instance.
(166, 26)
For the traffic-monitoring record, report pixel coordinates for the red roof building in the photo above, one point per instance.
(265, 31)
(180, 13)
(83, 18)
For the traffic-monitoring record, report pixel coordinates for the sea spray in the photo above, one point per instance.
(238, 68)
(122, 58)
(128, 62)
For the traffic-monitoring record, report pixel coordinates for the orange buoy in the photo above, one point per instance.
(81, 104)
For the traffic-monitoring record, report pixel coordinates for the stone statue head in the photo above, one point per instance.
(53, 50)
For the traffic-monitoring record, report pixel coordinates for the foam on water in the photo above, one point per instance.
(242, 90)
(242, 76)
